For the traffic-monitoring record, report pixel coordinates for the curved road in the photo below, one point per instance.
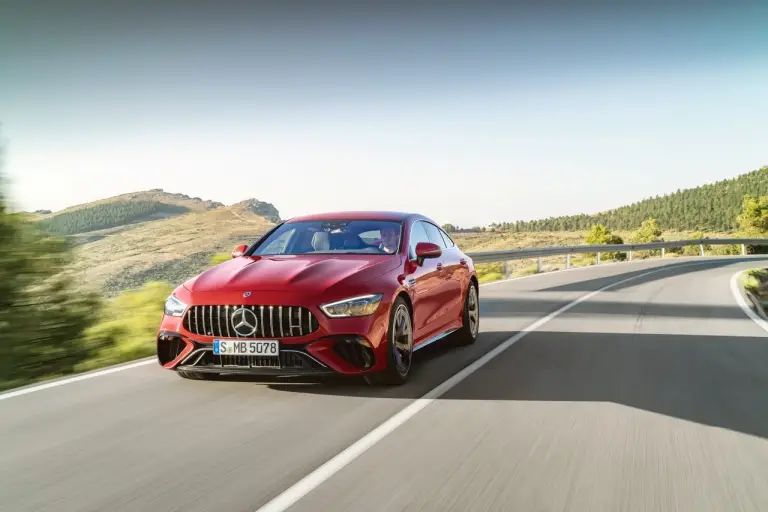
(651, 394)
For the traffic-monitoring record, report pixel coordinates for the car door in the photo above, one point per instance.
(425, 283)
(460, 273)
(450, 295)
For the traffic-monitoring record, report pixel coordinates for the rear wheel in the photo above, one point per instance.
(471, 317)
(197, 375)
(399, 347)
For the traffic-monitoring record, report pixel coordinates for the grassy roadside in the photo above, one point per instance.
(755, 283)
(123, 331)
(489, 272)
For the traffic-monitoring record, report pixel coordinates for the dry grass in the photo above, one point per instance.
(477, 242)
(177, 248)
(163, 250)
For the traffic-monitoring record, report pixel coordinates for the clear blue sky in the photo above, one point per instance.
(470, 115)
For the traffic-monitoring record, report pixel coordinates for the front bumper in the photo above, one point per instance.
(310, 342)
(342, 354)
(292, 361)
(344, 346)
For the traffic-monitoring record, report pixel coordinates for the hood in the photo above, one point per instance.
(305, 273)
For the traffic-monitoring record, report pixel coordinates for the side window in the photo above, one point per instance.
(417, 235)
(448, 240)
(434, 235)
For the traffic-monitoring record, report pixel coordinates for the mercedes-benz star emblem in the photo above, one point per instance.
(244, 322)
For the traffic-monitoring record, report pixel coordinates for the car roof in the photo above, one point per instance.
(360, 215)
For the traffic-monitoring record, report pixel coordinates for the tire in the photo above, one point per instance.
(398, 361)
(197, 375)
(470, 328)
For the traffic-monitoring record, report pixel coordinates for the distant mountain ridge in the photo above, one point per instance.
(137, 207)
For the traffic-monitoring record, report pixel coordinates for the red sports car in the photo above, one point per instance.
(337, 293)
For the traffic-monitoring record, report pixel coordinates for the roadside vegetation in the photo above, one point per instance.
(713, 207)
(51, 324)
(107, 215)
(755, 281)
(84, 288)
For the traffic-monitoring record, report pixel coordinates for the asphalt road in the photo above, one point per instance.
(650, 395)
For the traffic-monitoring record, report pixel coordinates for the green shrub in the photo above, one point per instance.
(726, 250)
(600, 235)
(127, 326)
(753, 220)
(42, 312)
(752, 279)
(648, 232)
(695, 250)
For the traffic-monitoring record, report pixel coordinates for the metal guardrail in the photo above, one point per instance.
(567, 250)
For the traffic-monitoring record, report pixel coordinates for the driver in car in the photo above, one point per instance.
(389, 239)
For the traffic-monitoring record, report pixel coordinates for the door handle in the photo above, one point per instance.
(463, 261)
(439, 266)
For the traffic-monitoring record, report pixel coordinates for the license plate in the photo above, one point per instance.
(246, 347)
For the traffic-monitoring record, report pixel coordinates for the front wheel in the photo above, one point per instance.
(399, 347)
(467, 335)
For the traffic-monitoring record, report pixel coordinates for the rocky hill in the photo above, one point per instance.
(126, 240)
(266, 210)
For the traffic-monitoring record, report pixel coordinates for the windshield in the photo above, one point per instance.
(333, 237)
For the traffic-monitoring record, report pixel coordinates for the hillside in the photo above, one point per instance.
(121, 210)
(167, 250)
(125, 241)
(155, 194)
(712, 207)
(139, 241)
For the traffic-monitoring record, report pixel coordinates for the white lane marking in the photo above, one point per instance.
(69, 380)
(736, 291)
(327, 470)
(114, 369)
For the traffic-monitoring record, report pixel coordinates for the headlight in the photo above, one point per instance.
(174, 307)
(362, 305)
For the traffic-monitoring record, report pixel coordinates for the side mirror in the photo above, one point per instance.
(426, 250)
(239, 250)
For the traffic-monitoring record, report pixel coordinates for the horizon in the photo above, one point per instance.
(448, 221)
(469, 116)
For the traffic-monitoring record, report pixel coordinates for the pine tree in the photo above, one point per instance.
(712, 207)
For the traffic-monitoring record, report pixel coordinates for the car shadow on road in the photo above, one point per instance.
(434, 359)
(712, 380)
(531, 305)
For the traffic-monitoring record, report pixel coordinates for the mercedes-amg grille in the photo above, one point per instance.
(250, 321)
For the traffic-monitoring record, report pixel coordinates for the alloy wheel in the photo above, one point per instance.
(473, 311)
(403, 339)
